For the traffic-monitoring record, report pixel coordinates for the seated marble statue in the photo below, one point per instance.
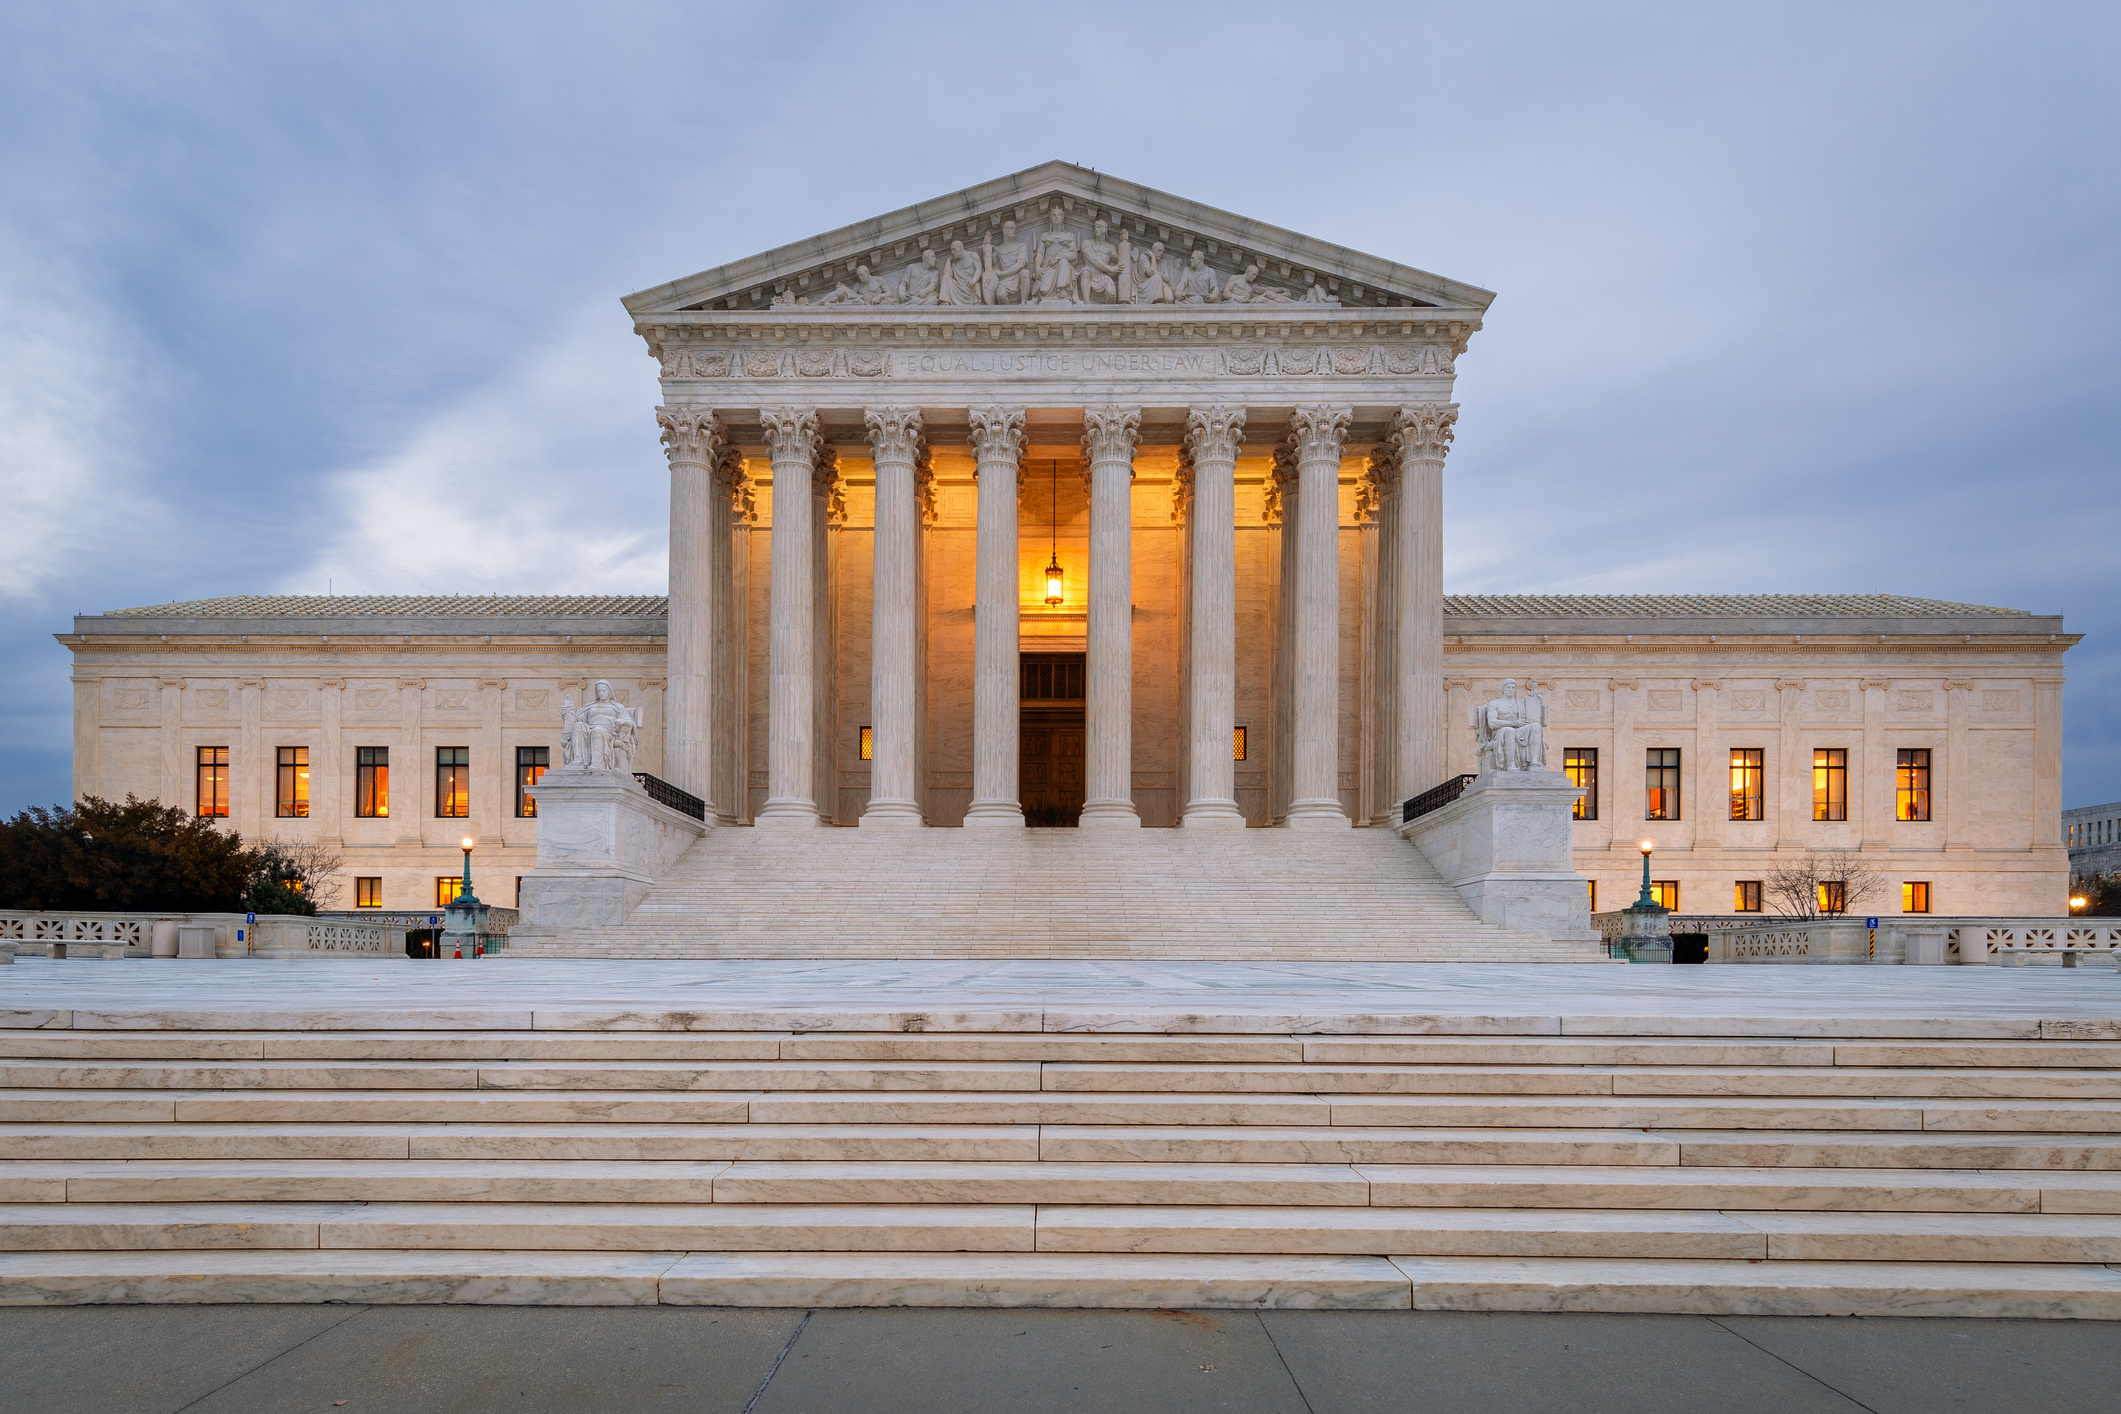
(602, 736)
(1196, 283)
(1511, 731)
(868, 289)
(923, 282)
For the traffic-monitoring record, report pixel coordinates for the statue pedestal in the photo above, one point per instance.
(602, 843)
(1646, 934)
(1505, 846)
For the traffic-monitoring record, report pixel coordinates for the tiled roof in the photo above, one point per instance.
(441, 606)
(1713, 606)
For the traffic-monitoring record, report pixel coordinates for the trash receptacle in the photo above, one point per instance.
(165, 938)
(195, 940)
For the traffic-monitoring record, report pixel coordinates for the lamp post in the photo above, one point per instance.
(465, 917)
(1643, 900)
(1649, 924)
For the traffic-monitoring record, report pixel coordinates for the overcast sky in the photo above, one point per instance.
(1815, 298)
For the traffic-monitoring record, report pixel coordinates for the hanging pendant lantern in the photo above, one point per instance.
(1056, 581)
(1056, 577)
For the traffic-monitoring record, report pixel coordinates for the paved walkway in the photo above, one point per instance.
(416, 1360)
(936, 995)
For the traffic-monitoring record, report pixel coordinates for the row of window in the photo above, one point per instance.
(1746, 895)
(371, 781)
(2086, 833)
(368, 890)
(1830, 782)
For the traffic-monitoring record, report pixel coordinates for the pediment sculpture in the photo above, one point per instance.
(1511, 731)
(602, 736)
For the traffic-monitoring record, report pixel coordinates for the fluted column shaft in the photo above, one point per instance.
(998, 443)
(693, 442)
(1317, 431)
(894, 443)
(1212, 438)
(1422, 435)
(792, 436)
(1109, 435)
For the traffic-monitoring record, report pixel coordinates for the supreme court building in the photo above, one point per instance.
(1061, 502)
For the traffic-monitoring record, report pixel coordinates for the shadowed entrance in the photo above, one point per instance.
(1050, 770)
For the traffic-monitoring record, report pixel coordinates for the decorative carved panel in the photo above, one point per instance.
(1913, 701)
(129, 699)
(371, 697)
(1583, 699)
(452, 699)
(1664, 699)
(529, 697)
(1748, 699)
(2006, 701)
(1833, 700)
(218, 697)
(290, 699)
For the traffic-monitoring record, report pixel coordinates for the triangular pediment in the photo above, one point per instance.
(1056, 257)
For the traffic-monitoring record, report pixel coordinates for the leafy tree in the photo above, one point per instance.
(138, 857)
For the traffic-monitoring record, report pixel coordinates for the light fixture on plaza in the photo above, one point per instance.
(1056, 577)
(2077, 901)
(1645, 899)
(465, 918)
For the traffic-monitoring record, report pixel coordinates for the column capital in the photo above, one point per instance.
(791, 432)
(1111, 431)
(690, 435)
(997, 432)
(894, 433)
(1423, 431)
(1214, 433)
(1319, 429)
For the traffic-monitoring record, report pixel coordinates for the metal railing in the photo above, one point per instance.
(1435, 798)
(663, 792)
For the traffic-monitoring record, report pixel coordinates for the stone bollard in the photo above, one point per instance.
(56, 952)
(1925, 946)
(164, 943)
(195, 941)
(7, 953)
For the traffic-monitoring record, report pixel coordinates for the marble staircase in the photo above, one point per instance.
(750, 892)
(166, 1155)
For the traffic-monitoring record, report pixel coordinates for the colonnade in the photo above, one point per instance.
(1405, 468)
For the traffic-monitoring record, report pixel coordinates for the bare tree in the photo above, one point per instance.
(1801, 888)
(315, 868)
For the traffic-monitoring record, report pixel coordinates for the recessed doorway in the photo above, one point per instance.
(1050, 730)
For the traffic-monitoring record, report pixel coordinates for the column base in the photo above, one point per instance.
(1110, 815)
(789, 814)
(1316, 815)
(1212, 815)
(891, 815)
(994, 815)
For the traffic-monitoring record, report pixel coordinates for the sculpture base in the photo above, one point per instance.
(1505, 846)
(602, 843)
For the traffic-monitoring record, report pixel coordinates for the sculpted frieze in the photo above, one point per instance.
(1115, 359)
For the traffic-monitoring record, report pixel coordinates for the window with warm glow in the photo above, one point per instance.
(531, 762)
(1830, 785)
(1833, 896)
(1915, 896)
(368, 893)
(1745, 896)
(1661, 783)
(291, 790)
(1237, 744)
(371, 782)
(1666, 893)
(1911, 793)
(213, 781)
(452, 782)
(1748, 780)
(869, 743)
(1594, 893)
(1580, 765)
(447, 887)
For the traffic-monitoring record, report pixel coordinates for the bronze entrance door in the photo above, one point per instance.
(1050, 768)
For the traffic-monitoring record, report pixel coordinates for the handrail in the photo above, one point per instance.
(663, 792)
(1435, 798)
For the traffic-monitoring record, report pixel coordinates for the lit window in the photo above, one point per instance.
(371, 782)
(1746, 896)
(1661, 781)
(1830, 785)
(1748, 776)
(291, 792)
(1833, 896)
(869, 743)
(1594, 894)
(368, 893)
(1912, 792)
(447, 887)
(531, 762)
(452, 782)
(213, 781)
(1915, 896)
(1666, 892)
(1237, 744)
(1580, 764)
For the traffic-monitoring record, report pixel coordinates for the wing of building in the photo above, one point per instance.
(1062, 501)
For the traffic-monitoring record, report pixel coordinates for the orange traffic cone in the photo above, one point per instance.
(460, 950)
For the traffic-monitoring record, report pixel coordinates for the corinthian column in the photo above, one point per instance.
(1109, 434)
(693, 441)
(1212, 438)
(792, 436)
(895, 443)
(1316, 432)
(998, 442)
(1421, 435)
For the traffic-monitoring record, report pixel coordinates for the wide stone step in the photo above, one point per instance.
(1699, 1080)
(1840, 1190)
(359, 1181)
(1273, 1184)
(653, 1142)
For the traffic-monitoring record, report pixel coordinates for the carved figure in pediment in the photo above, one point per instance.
(1196, 283)
(868, 289)
(1317, 295)
(1007, 268)
(1055, 262)
(1242, 290)
(923, 281)
(1511, 731)
(1150, 285)
(963, 276)
(1102, 268)
(787, 299)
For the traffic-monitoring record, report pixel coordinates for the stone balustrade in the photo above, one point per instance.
(2005, 942)
(34, 932)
